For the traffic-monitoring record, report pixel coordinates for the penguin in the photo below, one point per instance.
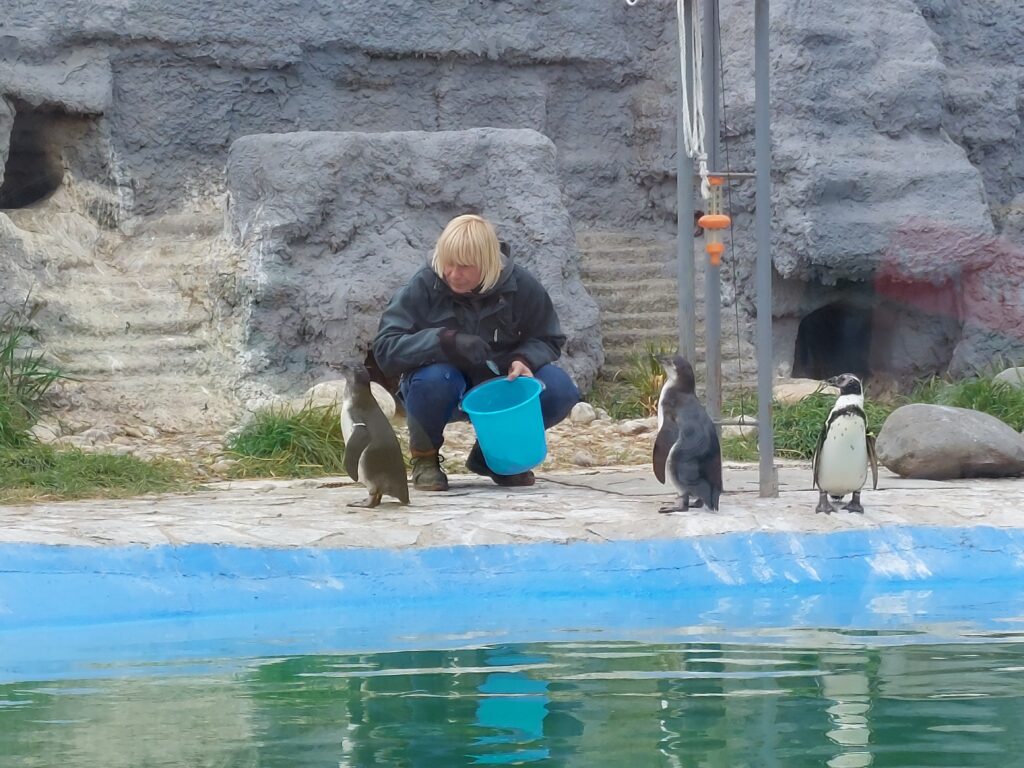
(687, 446)
(373, 456)
(845, 448)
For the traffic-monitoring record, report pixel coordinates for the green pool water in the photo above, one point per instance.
(811, 698)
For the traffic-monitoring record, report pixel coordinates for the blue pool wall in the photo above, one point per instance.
(71, 607)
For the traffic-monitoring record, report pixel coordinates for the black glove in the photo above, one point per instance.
(465, 348)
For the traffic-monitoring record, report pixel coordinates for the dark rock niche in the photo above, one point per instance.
(35, 167)
(889, 332)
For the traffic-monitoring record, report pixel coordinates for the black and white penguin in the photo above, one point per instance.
(373, 456)
(845, 449)
(687, 447)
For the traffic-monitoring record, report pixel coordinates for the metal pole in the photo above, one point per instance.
(767, 474)
(685, 278)
(712, 277)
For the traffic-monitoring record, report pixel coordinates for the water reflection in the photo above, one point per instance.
(847, 705)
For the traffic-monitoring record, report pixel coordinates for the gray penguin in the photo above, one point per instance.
(845, 449)
(373, 456)
(687, 447)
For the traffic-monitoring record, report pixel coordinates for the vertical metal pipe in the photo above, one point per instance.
(684, 202)
(768, 477)
(712, 276)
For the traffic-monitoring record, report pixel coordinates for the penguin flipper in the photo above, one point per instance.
(872, 460)
(817, 455)
(358, 442)
(667, 436)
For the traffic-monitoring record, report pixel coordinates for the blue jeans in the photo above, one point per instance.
(431, 394)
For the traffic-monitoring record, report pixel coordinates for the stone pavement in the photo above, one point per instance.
(585, 505)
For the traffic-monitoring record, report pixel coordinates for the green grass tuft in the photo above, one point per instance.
(282, 442)
(739, 448)
(39, 472)
(24, 381)
(1004, 401)
(634, 391)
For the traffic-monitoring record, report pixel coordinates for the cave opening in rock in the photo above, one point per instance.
(34, 168)
(834, 339)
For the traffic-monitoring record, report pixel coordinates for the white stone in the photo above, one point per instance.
(602, 414)
(95, 436)
(791, 391)
(45, 433)
(739, 430)
(223, 466)
(637, 426)
(582, 413)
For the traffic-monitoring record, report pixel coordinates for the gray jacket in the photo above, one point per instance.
(515, 317)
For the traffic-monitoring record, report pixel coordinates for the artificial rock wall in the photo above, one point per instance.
(898, 166)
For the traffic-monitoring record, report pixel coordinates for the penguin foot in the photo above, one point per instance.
(855, 505)
(369, 502)
(824, 505)
(669, 508)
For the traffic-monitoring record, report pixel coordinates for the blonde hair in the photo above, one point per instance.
(469, 241)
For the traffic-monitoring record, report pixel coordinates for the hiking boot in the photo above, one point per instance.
(476, 464)
(427, 474)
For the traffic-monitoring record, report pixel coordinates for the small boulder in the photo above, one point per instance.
(333, 393)
(940, 442)
(582, 414)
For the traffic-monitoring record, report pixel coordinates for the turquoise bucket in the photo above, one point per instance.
(509, 426)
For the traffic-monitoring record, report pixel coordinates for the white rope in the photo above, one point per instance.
(692, 115)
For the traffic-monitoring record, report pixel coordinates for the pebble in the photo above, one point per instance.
(584, 459)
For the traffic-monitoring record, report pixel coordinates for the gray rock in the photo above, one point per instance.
(1013, 377)
(939, 442)
(332, 224)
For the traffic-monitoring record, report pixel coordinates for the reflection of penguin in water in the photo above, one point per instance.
(844, 448)
(687, 447)
(373, 456)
